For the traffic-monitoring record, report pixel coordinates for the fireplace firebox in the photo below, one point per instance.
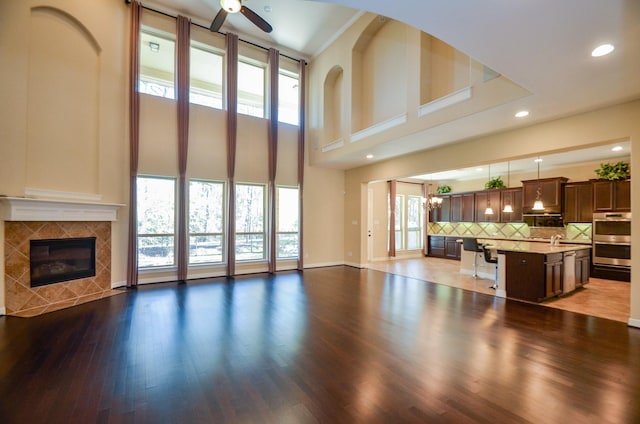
(57, 260)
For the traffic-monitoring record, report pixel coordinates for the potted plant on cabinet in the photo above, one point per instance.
(616, 172)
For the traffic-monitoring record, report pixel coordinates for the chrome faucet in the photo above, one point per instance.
(555, 239)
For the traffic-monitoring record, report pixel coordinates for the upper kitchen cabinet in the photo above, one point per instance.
(551, 194)
(578, 202)
(443, 213)
(462, 207)
(611, 196)
(513, 197)
(484, 199)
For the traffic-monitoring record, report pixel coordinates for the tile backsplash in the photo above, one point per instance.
(511, 230)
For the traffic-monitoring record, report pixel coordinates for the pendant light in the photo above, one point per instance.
(489, 210)
(507, 207)
(537, 205)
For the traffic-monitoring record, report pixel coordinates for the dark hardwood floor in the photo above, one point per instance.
(327, 345)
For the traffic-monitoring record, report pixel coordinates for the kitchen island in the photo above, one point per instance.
(534, 271)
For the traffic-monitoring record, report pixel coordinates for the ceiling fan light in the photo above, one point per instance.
(231, 6)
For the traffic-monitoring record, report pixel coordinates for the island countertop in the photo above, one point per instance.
(531, 247)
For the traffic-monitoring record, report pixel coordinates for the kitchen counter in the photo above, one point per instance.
(531, 246)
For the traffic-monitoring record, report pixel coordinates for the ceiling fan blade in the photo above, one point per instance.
(218, 21)
(257, 20)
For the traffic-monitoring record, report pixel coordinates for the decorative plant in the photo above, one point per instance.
(495, 183)
(444, 189)
(618, 171)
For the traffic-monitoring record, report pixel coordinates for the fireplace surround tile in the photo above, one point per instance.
(21, 299)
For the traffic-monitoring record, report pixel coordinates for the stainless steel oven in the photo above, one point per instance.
(612, 239)
(614, 227)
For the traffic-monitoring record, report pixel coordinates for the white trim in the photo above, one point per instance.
(379, 127)
(3, 311)
(28, 209)
(337, 34)
(356, 265)
(53, 194)
(445, 101)
(501, 293)
(333, 145)
(633, 322)
(118, 284)
(322, 264)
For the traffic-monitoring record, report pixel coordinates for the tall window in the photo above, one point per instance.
(250, 214)
(399, 225)
(287, 222)
(251, 89)
(288, 100)
(414, 222)
(205, 86)
(206, 221)
(156, 221)
(157, 64)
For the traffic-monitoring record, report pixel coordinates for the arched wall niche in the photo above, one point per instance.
(379, 67)
(333, 104)
(63, 103)
(443, 69)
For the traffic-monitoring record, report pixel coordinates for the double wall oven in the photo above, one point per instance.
(612, 239)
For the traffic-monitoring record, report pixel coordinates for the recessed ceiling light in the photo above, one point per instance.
(369, 156)
(602, 50)
(479, 169)
(537, 160)
(616, 148)
(522, 114)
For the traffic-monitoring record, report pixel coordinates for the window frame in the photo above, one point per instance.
(257, 64)
(292, 75)
(197, 45)
(143, 78)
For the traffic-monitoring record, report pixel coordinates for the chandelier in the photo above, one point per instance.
(432, 201)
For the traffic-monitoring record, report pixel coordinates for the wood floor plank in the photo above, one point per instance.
(334, 344)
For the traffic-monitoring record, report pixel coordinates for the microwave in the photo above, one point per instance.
(612, 227)
(543, 219)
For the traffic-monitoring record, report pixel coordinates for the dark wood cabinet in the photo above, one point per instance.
(553, 274)
(612, 196)
(443, 213)
(583, 267)
(578, 202)
(436, 246)
(482, 200)
(551, 194)
(513, 197)
(444, 247)
(452, 249)
(533, 276)
(525, 276)
(463, 207)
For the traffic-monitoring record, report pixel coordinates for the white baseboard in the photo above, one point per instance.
(501, 293)
(355, 265)
(634, 323)
(3, 311)
(118, 284)
(322, 264)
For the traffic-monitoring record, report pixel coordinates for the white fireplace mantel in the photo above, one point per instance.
(31, 209)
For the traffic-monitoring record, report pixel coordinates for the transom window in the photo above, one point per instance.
(288, 98)
(157, 64)
(251, 89)
(205, 87)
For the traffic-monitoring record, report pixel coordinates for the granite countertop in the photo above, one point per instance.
(532, 247)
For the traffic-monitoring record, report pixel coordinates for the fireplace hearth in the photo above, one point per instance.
(57, 260)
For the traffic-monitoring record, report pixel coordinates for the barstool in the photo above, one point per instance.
(471, 245)
(491, 260)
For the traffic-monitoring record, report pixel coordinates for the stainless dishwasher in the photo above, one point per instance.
(569, 272)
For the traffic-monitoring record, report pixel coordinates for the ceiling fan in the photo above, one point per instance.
(235, 6)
